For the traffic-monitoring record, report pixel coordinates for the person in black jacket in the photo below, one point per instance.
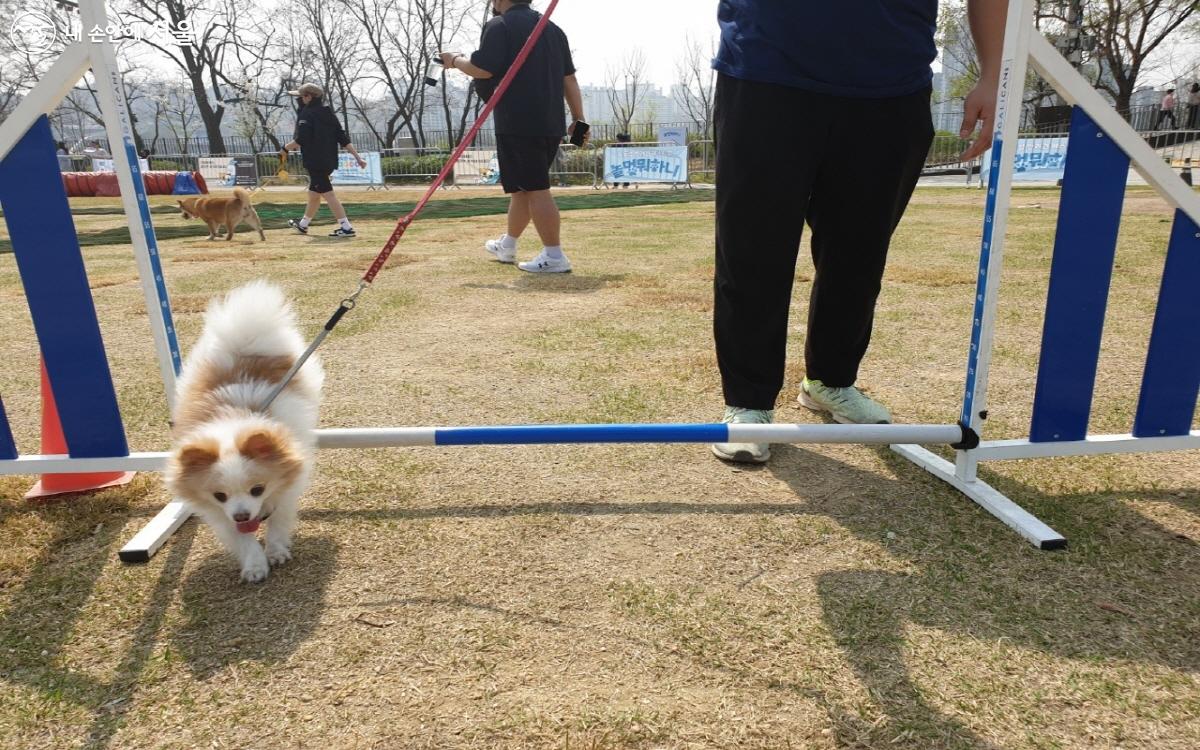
(318, 135)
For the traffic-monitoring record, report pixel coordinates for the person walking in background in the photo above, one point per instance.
(318, 136)
(1166, 110)
(1193, 106)
(828, 77)
(529, 124)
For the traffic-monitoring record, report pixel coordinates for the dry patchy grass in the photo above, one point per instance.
(614, 596)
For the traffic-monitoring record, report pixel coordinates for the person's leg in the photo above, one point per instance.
(856, 204)
(544, 212)
(311, 207)
(335, 205)
(538, 155)
(761, 198)
(518, 214)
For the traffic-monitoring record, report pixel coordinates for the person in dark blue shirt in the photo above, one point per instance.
(529, 123)
(822, 117)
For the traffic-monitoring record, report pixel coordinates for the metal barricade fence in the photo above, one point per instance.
(702, 159)
(414, 165)
(577, 161)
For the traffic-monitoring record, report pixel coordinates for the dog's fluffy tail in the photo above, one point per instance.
(253, 320)
(241, 196)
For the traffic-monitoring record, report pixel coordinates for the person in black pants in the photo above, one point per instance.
(318, 136)
(529, 124)
(822, 117)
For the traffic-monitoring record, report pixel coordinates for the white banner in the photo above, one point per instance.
(106, 165)
(645, 164)
(1035, 160)
(349, 173)
(674, 135)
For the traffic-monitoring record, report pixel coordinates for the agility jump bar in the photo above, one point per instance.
(400, 437)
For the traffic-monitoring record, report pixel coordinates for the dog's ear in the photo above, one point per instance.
(197, 456)
(260, 444)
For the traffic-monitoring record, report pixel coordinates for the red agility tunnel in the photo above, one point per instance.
(104, 184)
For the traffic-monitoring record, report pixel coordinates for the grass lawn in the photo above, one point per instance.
(612, 596)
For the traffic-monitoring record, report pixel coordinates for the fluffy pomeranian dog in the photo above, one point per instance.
(222, 211)
(235, 464)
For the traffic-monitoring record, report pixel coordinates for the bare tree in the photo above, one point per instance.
(1126, 33)
(627, 88)
(201, 59)
(696, 84)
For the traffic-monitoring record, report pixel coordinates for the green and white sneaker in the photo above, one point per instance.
(846, 405)
(745, 453)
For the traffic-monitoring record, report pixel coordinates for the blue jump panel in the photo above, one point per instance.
(608, 433)
(8, 447)
(1089, 218)
(1171, 381)
(60, 302)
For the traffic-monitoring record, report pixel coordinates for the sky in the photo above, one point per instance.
(603, 32)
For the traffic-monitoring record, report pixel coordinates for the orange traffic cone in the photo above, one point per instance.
(54, 443)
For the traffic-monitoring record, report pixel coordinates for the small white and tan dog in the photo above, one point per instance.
(233, 463)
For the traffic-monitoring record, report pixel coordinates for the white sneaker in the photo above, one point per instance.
(501, 253)
(746, 453)
(543, 263)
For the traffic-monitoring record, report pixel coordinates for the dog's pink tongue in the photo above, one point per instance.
(248, 527)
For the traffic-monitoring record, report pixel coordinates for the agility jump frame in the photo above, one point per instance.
(1101, 148)
(95, 436)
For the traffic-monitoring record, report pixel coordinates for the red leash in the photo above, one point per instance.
(348, 303)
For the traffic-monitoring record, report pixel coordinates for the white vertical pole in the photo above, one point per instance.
(119, 127)
(1009, 102)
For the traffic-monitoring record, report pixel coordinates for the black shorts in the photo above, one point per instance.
(318, 180)
(525, 161)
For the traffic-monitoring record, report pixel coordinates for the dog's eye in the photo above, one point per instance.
(220, 496)
(257, 490)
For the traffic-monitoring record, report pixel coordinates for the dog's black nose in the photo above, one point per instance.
(243, 516)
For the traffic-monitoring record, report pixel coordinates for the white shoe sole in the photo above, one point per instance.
(808, 402)
(544, 270)
(740, 457)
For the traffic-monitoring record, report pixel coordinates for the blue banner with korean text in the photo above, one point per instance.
(645, 164)
(1034, 160)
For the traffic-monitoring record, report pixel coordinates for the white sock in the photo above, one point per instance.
(508, 243)
(345, 222)
(305, 221)
(554, 252)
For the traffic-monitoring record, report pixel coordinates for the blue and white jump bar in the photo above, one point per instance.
(400, 437)
(875, 434)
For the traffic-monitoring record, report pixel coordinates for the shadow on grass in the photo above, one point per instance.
(567, 283)
(228, 622)
(1124, 590)
(43, 615)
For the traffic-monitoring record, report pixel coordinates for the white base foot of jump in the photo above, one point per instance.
(152, 536)
(991, 499)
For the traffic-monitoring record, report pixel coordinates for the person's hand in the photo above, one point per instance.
(447, 59)
(979, 109)
(362, 163)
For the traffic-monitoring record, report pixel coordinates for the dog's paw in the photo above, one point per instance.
(278, 554)
(255, 571)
